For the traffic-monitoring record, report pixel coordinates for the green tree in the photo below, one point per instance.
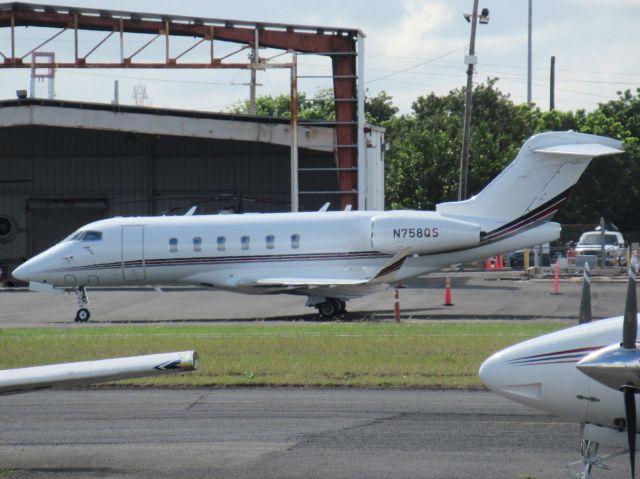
(378, 108)
(269, 105)
(609, 186)
(425, 147)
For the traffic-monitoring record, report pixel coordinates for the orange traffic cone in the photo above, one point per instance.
(447, 292)
(487, 264)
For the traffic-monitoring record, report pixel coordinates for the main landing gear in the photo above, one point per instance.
(83, 314)
(330, 308)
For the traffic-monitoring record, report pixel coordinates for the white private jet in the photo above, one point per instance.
(21, 380)
(330, 257)
(588, 373)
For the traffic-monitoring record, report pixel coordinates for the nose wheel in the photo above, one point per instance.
(83, 314)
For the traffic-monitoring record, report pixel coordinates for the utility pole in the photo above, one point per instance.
(529, 54)
(294, 134)
(252, 84)
(470, 60)
(552, 85)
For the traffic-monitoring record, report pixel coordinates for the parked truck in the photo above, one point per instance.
(590, 243)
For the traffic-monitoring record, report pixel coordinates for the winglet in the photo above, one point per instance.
(387, 273)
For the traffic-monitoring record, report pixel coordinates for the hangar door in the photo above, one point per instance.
(54, 220)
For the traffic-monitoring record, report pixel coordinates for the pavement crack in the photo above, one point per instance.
(194, 403)
(314, 437)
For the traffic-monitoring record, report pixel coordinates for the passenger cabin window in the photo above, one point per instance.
(295, 241)
(244, 242)
(173, 245)
(271, 241)
(197, 244)
(221, 243)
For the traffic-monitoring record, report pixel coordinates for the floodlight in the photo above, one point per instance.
(484, 16)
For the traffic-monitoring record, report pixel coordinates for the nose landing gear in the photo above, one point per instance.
(83, 314)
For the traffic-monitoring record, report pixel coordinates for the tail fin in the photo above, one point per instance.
(534, 186)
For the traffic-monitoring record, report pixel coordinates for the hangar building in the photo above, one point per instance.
(64, 164)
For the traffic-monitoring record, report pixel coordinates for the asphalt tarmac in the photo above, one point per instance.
(283, 433)
(475, 296)
(292, 433)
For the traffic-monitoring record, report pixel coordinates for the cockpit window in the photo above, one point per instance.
(85, 236)
(73, 236)
(91, 236)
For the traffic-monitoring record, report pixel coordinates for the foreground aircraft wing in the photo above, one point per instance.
(385, 274)
(14, 381)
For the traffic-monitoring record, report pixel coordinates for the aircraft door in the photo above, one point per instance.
(133, 263)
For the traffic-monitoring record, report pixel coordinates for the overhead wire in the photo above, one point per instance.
(416, 65)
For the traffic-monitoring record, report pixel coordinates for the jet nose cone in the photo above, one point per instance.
(22, 272)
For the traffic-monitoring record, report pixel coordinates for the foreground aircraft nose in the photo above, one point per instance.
(502, 376)
(490, 372)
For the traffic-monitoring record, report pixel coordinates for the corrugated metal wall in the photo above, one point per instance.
(135, 174)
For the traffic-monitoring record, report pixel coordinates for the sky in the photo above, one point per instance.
(412, 48)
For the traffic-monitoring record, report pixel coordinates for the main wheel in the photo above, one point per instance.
(329, 309)
(83, 315)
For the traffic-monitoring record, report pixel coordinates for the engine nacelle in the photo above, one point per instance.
(424, 232)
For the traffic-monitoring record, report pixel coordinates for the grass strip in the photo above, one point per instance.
(422, 354)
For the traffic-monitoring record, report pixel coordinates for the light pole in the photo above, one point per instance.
(529, 43)
(470, 60)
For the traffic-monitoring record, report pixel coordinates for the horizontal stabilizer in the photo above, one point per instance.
(590, 150)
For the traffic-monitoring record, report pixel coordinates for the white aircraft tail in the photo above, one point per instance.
(534, 186)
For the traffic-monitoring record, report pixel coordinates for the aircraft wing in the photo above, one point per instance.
(385, 274)
(308, 281)
(14, 381)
